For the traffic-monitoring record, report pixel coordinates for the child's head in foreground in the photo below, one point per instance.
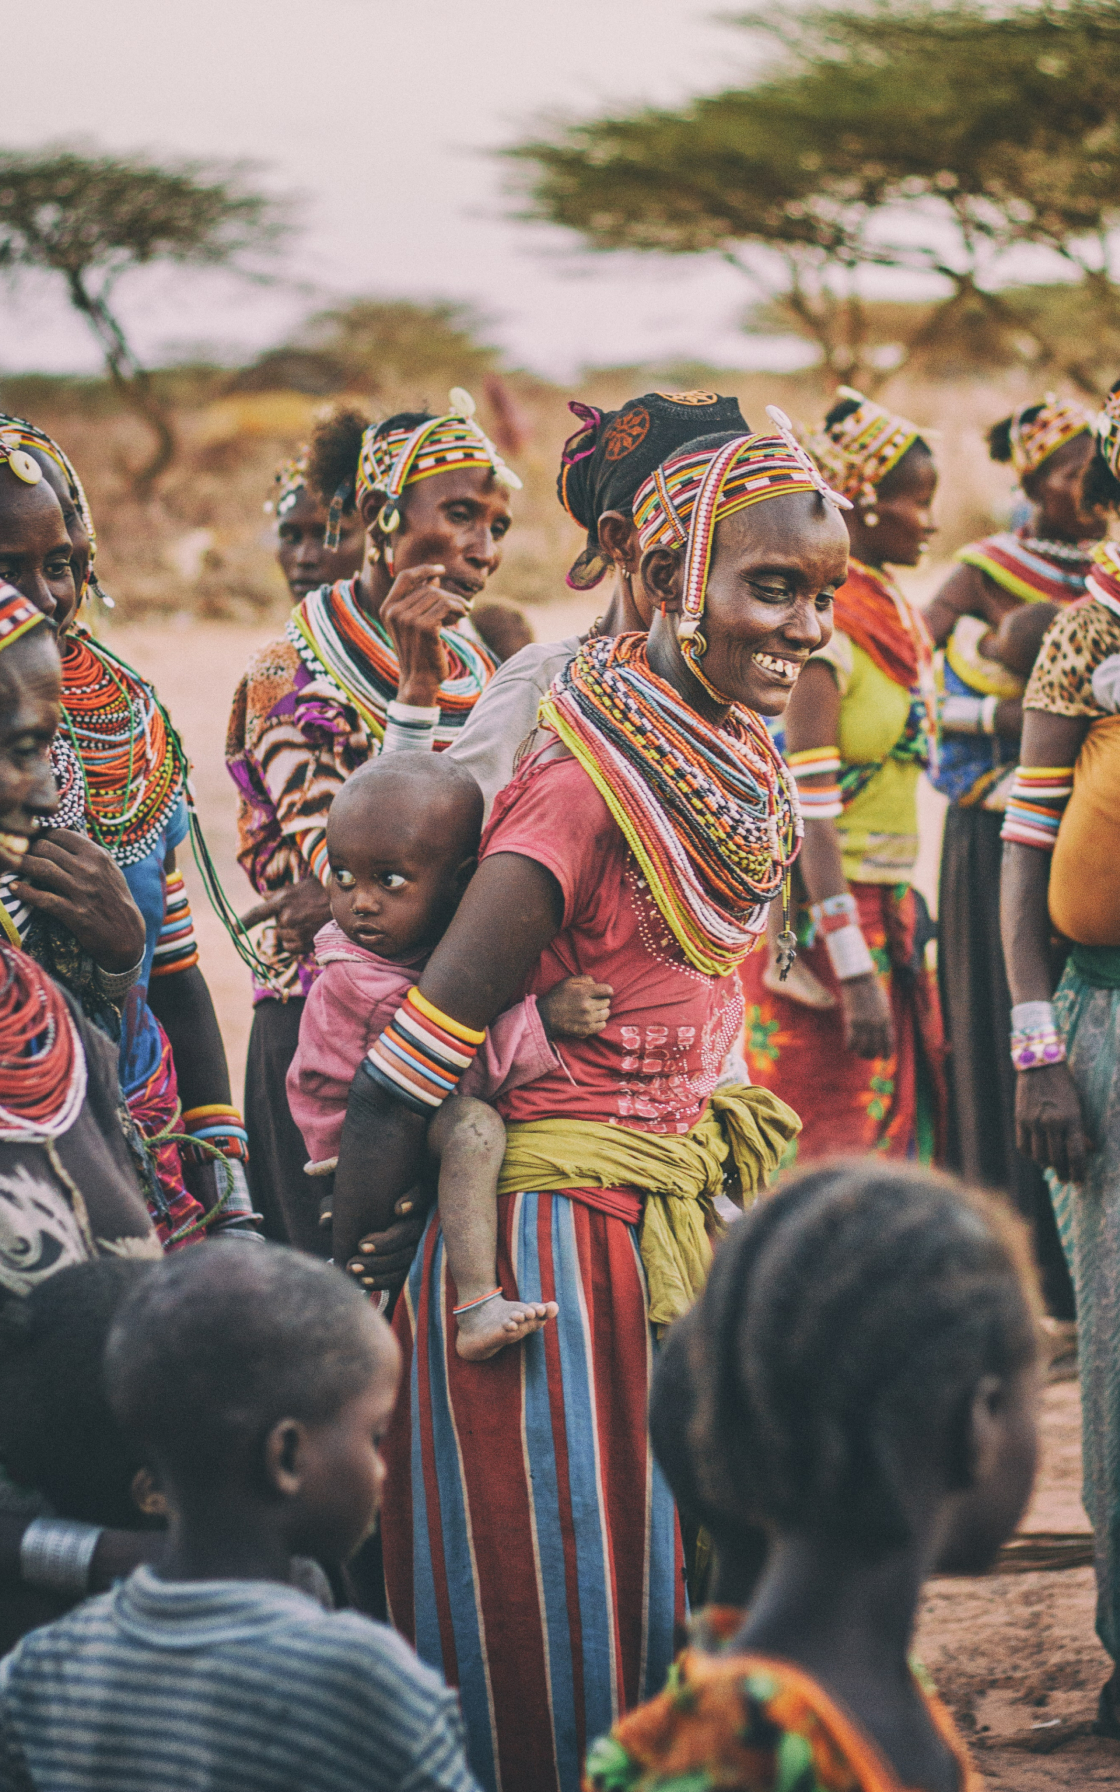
(57, 1434)
(402, 839)
(867, 1360)
(256, 1383)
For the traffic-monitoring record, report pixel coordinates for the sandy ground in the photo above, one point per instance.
(1015, 1655)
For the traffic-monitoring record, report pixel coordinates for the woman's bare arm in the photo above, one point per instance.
(511, 910)
(1048, 1120)
(813, 720)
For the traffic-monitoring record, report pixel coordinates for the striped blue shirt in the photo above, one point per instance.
(223, 1686)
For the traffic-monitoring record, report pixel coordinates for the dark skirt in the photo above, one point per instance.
(976, 1005)
(281, 1192)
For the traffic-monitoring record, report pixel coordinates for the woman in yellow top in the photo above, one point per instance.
(1061, 850)
(853, 1038)
(887, 1434)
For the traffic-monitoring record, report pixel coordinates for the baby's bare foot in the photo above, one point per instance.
(488, 1328)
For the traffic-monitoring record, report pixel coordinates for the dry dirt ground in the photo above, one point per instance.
(1015, 1655)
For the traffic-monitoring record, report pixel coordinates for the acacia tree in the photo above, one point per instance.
(92, 219)
(931, 136)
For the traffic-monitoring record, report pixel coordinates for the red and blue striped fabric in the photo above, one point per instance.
(532, 1552)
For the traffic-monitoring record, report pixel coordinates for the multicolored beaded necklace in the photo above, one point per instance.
(337, 640)
(710, 812)
(42, 1065)
(132, 760)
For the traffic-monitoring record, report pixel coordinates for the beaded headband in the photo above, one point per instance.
(1107, 431)
(398, 457)
(17, 616)
(857, 453)
(684, 499)
(291, 478)
(17, 436)
(1057, 423)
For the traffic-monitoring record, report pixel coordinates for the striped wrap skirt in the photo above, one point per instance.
(532, 1552)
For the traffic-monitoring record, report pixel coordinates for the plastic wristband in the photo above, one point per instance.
(962, 715)
(834, 913)
(848, 953)
(1035, 1039)
(55, 1553)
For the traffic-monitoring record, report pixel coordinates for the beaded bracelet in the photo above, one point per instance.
(55, 1554)
(1035, 1039)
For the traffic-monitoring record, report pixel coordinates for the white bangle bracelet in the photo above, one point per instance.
(55, 1554)
(409, 728)
(848, 953)
(1032, 1017)
(988, 714)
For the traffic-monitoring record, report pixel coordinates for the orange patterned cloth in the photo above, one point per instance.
(746, 1723)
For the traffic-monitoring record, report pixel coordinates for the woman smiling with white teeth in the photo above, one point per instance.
(853, 1038)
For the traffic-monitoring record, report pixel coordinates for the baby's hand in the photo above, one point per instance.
(578, 1008)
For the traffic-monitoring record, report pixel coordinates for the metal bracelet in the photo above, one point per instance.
(116, 984)
(55, 1554)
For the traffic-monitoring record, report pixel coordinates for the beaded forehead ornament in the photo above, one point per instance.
(1057, 423)
(291, 478)
(684, 499)
(857, 453)
(399, 457)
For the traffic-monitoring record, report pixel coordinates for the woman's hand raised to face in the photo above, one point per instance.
(415, 610)
(76, 881)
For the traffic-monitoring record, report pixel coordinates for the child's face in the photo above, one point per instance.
(342, 1469)
(392, 889)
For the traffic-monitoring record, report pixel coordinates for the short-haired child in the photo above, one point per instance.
(256, 1385)
(866, 1359)
(402, 840)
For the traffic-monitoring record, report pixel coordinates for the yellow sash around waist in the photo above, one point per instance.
(677, 1174)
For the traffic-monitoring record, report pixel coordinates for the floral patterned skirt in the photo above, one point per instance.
(847, 1104)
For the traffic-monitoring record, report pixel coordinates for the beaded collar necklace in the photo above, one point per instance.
(132, 760)
(710, 811)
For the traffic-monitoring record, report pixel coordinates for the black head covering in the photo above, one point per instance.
(612, 452)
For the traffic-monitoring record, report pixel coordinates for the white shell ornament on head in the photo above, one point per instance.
(23, 465)
(460, 402)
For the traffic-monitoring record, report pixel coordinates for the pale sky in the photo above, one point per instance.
(378, 116)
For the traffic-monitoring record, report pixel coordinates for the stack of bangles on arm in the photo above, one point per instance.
(422, 1054)
(218, 1131)
(1036, 804)
(819, 802)
(1035, 1040)
(847, 949)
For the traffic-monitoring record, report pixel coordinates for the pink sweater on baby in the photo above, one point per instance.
(352, 1001)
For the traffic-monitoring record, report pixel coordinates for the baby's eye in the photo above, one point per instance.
(344, 879)
(393, 880)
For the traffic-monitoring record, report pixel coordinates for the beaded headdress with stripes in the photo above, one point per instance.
(18, 436)
(683, 500)
(391, 459)
(17, 615)
(1035, 439)
(858, 452)
(291, 479)
(1107, 431)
